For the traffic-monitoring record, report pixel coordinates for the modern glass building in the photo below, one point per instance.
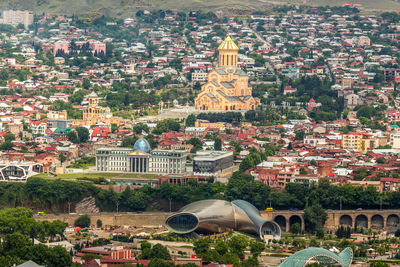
(320, 255)
(215, 216)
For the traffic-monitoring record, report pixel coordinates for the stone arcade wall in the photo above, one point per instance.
(387, 220)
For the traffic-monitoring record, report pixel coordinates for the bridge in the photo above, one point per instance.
(384, 220)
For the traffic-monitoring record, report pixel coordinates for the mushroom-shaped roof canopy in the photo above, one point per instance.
(142, 145)
(228, 44)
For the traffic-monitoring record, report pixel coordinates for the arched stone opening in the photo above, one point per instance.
(361, 221)
(346, 220)
(295, 219)
(281, 221)
(392, 221)
(377, 222)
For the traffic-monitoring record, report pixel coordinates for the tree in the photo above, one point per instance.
(190, 120)
(7, 145)
(89, 256)
(83, 134)
(83, 221)
(62, 158)
(314, 217)
(129, 141)
(58, 256)
(202, 246)
(157, 262)
(78, 96)
(303, 171)
(299, 135)
(237, 245)
(86, 83)
(140, 127)
(256, 248)
(397, 233)
(217, 144)
(295, 228)
(197, 144)
(114, 127)
(160, 252)
(73, 137)
(9, 137)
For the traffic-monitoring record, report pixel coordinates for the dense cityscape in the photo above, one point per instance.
(200, 138)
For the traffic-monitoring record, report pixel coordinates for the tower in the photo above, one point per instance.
(93, 100)
(228, 53)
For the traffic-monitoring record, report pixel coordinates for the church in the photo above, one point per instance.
(227, 86)
(93, 113)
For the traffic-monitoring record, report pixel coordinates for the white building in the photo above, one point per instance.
(15, 17)
(129, 160)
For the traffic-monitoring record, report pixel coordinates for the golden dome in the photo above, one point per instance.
(228, 44)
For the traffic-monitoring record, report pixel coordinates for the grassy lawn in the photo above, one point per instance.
(106, 175)
(78, 175)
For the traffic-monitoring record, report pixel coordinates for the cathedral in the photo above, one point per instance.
(93, 113)
(227, 86)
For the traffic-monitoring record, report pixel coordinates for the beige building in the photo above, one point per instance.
(362, 142)
(15, 17)
(395, 140)
(93, 113)
(227, 86)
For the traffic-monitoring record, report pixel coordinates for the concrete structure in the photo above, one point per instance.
(15, 17)
(212, 163)
(227, 87)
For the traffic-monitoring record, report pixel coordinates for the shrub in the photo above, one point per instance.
(83, 221)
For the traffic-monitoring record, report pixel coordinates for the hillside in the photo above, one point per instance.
(127, 8)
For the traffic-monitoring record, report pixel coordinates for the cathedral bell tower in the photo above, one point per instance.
(228, 53)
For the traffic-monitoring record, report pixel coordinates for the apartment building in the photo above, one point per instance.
(15, 17)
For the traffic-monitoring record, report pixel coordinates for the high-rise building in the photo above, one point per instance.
(15, 17)
(227, 86)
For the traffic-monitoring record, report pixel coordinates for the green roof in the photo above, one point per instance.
(323, 256)
(61, 130)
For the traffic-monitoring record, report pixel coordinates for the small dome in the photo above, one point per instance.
(142, 145)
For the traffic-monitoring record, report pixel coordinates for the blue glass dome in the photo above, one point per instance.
(142, 145)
